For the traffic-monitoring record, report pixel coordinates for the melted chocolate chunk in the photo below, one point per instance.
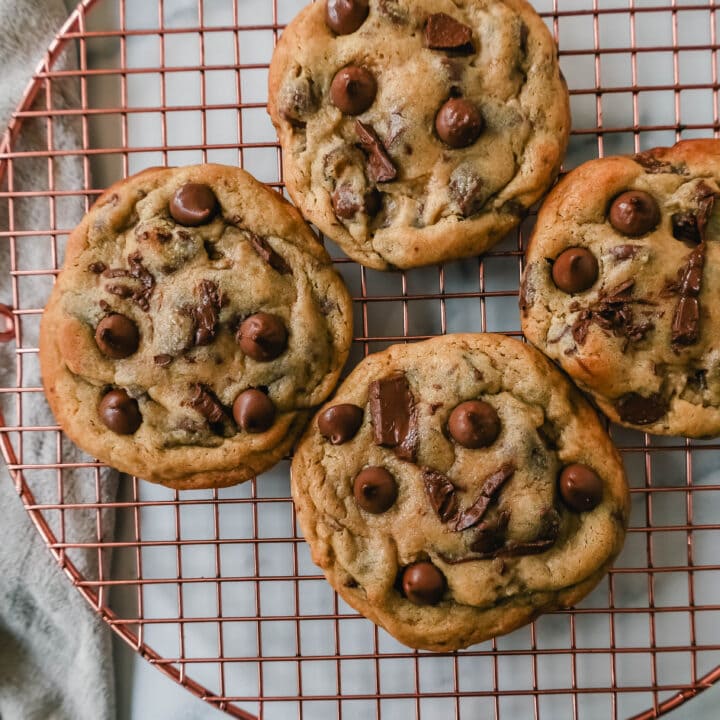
(120, 413)
(340, 423)
(204, 401)
(441, 494)
(575, 270)
(375, 490)
(353, 90)
(263, 249)
(706, 203)
(549, 531)
(473, 515)
(380, 166)
(193, 204)
(423, 583)
(686, 319)
(345, 16)
(163, 360)
(459, 123)
(394, 419)
(685, 229)
(638, 410)
(491, 535)
(97, 267)
(117, 336)
(297, 100)
(254, 411)
(654, 166)
(206, 313)
(467, 190)
(347, 203)
(140, 295)
(262, 336)
(443, 32)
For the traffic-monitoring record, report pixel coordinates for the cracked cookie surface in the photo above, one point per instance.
(454, 489)
(418, 131)
(194, 324)
(620, 286)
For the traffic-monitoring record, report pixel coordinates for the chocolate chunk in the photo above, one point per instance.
(340, 423)
(654, 166)
(491, 535)
(353, 90)
(580, 487)
(443, 32)
(474, 424)
(264, 250)
(473, 515)
(254, 411)
(97, 267)
(193, 204)
(467, 189)
(140, 295)
(441, 494)
(346, 202)
(684, 226)
(346, 16)
(206, 313)
(423, 583)
(120, 412)
(297, 100)
(204, 401)
(575, 270)
(706, 203)
(625, 252)
(394, 419)
(638, 410)
(163, 360)
(262, 336)
(459, 123)
(634, 213)
(686, 319)
(375, 490)
(117, 336)
(380, 166)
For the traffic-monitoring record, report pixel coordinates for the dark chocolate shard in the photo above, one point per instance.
(639, 410)
(206, 313)
(263, 249)
(204, 401)
(685, 229)
(443, 32)
(655, 166)
(441, 493)
(394, 418)
(491, 534)
(686, 319)
(472, 515)
(140, 294)
(380, 166)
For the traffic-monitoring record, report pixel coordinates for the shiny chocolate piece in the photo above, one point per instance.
(375, 490)
(684, 227)
(474, 424)
(340, 423)
(472, 515)
(254, 411)
(144, 288)
(443, 32)
(459, 123)
(117, 336)
(441, 494)
(204, 401)
(634, 213)
(347, 203)
(686, 319)
(394, 420)
(193, 204)
(345, 16)
(353, 90)
(580, 487)
(206, 314)
(119, 412)
(264, 250)
(262, 337)
(575, 270)
(639, 410)
(380, 166)
(423, 583)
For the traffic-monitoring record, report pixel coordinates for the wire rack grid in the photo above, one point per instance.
(216, 588)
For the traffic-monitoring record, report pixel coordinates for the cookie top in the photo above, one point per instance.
(455, 488)
(621, 281)
(195, 321)
(417, 131)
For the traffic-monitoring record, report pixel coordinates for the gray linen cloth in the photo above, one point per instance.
(55, 653)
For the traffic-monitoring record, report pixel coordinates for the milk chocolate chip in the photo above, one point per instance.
(253, 411)
(340, 423)
(117, 336)
(634, 213)
(346, 16)
(575, 270)
(443, 32)
(423, 583)
(474, 424)
(353, 90)
(262, 336)
(193, 204)
(459, 123)
(580, 487)
(120, 412)
(375, 490)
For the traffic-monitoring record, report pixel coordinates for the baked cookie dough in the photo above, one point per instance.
(456, 488)
(418, 131)
(195, 322)
(620, 288)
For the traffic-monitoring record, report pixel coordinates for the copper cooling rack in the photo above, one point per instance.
(216, 588)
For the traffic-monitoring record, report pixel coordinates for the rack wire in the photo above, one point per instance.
(216, 588)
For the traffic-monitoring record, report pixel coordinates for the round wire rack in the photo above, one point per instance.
(216, 588)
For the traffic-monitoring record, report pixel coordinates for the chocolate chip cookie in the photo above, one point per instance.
(418, 131)
(456, 488)
(195, 322)
(621, 281)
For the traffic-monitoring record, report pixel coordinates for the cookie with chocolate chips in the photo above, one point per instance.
(621, 283)
(454, 489)
(418, 131)
(195, 322)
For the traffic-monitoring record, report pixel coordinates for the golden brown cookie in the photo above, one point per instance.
(454, 489)
(418, 131)
(195, 322)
